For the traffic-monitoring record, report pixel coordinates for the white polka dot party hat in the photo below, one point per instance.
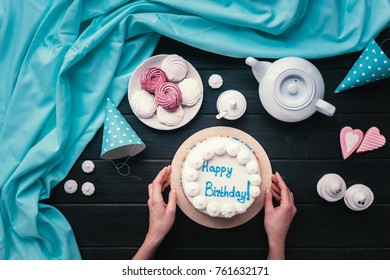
(371, 66)
(119, 138)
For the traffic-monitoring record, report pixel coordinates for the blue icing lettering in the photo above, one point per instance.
(223, 191)
(219, 171)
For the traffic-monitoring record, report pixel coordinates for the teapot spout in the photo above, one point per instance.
(259, 68)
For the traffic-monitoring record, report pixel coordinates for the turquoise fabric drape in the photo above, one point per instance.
(60, 60)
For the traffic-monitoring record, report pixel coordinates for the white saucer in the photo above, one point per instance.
(135, 85)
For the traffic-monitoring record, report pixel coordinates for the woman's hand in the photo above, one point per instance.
(161, 215)
(277, 220)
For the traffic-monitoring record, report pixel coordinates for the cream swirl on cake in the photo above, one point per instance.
(168, 96)
(143, 104)
(175, 68)
(151, 78)
(170, 118)
(221, 176)
(190, 91)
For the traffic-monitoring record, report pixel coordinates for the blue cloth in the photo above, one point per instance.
(60, 60)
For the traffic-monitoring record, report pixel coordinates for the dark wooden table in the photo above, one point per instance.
(112, 223)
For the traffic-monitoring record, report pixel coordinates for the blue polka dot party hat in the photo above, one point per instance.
(119, 138)
(371, 66)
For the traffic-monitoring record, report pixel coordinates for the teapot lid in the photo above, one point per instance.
(294, 89)
(232, 104)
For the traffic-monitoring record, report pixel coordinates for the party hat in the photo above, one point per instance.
(119, 138)
(371, 66)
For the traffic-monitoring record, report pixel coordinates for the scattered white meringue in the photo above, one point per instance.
(88, 166)
(70, 186)
(215, 81)
(88, 188)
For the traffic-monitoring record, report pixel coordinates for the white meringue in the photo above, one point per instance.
(88, 166)
(255, 179)
(213, 209)
(232, 149)
(215, 81)
(191, 174)
(143, 104)
(207, 152)
(254, 191)
(219, 148)
(88, 188)
(252, 167)
(228, 210)
(243, 157)
(199, 202)
(192, 188)
(196, 160)
(240, 208)
(175, 67)
(190, 91)
(70, 186)
(170, 118)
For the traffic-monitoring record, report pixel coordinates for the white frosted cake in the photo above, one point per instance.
(221, 176)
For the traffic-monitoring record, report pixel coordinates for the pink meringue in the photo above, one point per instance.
(169, 96)
(151, 78)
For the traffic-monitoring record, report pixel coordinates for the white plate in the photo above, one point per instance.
(135, 85)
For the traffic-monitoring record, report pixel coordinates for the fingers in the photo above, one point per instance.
(157, 185)
(284, 191)
(167, 180)
(268, 206)
(172, 198)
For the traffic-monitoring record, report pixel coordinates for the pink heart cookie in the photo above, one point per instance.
(350, 140)
(372, 140)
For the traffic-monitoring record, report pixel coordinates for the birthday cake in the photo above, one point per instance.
(221, 176)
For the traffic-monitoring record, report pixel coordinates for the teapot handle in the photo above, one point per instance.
(325, 108)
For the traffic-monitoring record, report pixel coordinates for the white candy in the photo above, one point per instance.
(215, 81)
(88, 188)
(199, 202)
(175, 68)
(254, 191)
(213, 209)
(88, 166)
(255, 179)
(170, 118)
(190, 91)
(143, 104)
(192, 188)
(70, 186)
(196, 161)
(252, 167)
(191, 174)
(243, 157)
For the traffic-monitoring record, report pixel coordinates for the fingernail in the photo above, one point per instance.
(173, 190)
(277, 173)
(266, 190)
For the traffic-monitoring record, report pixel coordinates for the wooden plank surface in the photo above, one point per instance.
(112, 223)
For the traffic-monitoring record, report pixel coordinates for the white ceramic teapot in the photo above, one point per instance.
(291, 89)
